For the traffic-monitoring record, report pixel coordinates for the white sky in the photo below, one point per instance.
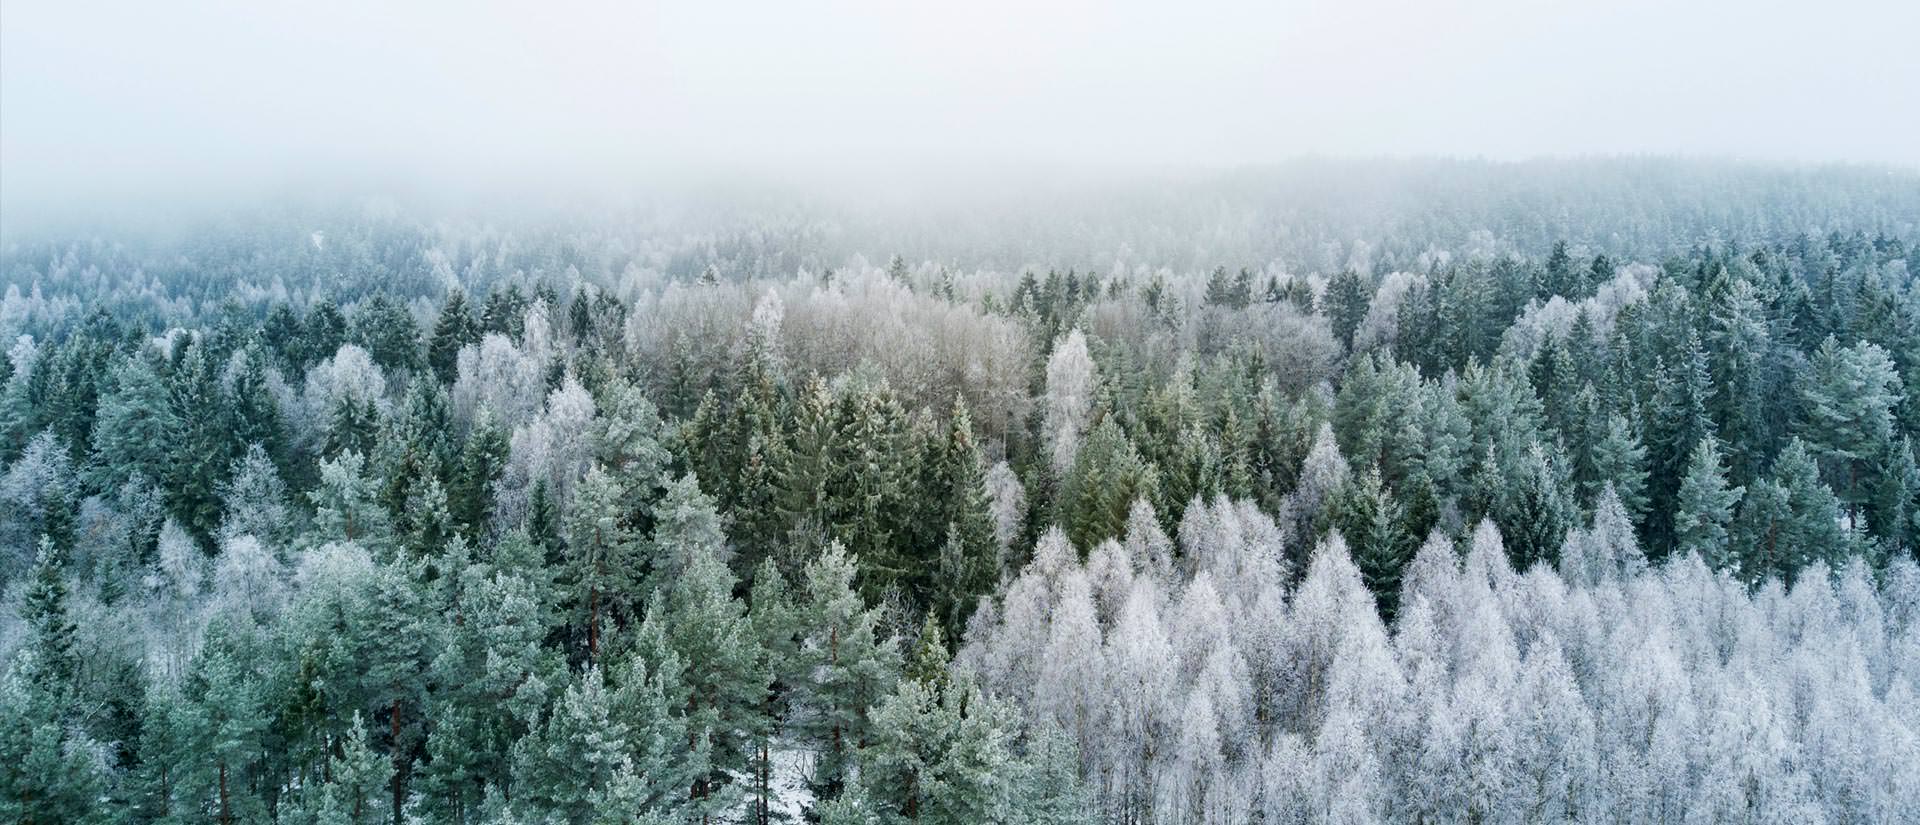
(101, 97)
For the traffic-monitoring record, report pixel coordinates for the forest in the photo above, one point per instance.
(1404, 491)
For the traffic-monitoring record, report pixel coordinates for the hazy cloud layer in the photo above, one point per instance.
(111, 97)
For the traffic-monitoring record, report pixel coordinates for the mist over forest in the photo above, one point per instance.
(864, 413)
(1362, 491)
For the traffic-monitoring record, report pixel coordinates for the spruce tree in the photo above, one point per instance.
(1676, 423)
(481, 462)
(1364, 509)
(1344, 304)
(1705, 505)
(456, 328)
(1762, 546)
(700, 621)
(603, 568)
(253, 416)
(201, 447)
(1615, 457)
(134, 428)
(1849, 394)
(44, 608)
(966, 567)
(1108, 476)
(562, 768)
(1812, 525)
(1538, 509)
(849, 663)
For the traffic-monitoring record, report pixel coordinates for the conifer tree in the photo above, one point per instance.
(1108, 476)
(44, 608)
(1616, 458)
(391, 649)
(456, 328)
(228, 722)
(1363, 508)
(1849, 394)
(252, 415)
(346, 505)
(481, 462)
(1705, 505)
(1812, 518)
(357, 780)
(603, 567)
(134, 427)
(699, 620)
(576, 755)
(1344, 304)
(1538, 509)
(849, 663)
(966, 567)
(1677, 422)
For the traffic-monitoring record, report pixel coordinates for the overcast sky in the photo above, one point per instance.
(98, 98)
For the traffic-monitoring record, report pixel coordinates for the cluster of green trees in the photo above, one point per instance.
(580, 551)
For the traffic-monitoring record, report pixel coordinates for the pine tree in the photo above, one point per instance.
(576, 755)
(686, 525)
(229, 723)
(603, 559)
(1677, 422)
(848, 664)
(44, 608)
(1616, 458)
(945, 756)
(658, 767)
(346, 504)
(631, 442)
(1344, 304)
(49, 775)
(1705, 505)
(1811, 529)
(455, 329)
(133, 431)
(1849, 394)
(1364, 509)
(701, 621)
(391, 649)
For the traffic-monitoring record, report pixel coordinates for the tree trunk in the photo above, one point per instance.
(766, 775)
(226, 814)
(593, 623)
(399, 777)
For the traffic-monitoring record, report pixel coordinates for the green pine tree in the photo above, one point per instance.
(1704, 508)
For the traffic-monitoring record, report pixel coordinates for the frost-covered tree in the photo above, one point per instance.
(1069, 400)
